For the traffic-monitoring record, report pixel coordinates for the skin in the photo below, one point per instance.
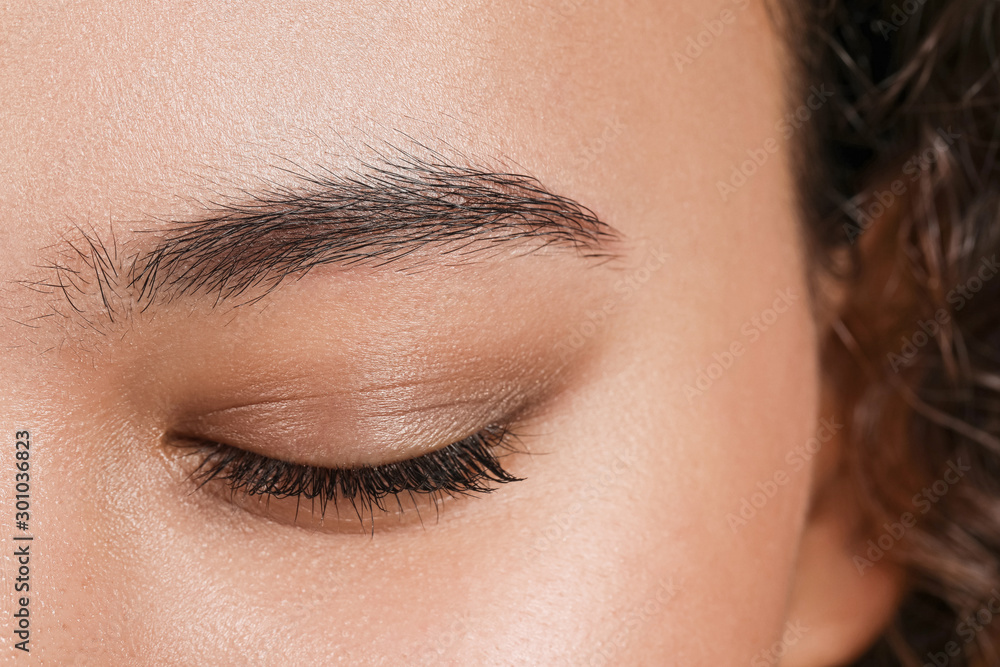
(616, 548)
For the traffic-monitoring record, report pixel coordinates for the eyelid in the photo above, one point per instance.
(470, 466)
(337, 430)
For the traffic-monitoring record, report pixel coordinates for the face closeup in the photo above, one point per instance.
(373, 253)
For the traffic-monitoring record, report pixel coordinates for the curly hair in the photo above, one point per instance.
(899, 191)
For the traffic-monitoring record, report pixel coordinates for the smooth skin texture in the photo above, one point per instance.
(616, 548)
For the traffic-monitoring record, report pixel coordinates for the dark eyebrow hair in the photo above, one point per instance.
(376, 215)
(372, 218)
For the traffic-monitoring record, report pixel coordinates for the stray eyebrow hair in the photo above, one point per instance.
(376, 215)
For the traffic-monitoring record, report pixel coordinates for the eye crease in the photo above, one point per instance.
(468, 467)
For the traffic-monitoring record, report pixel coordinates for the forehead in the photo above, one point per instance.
(129, 105)
(120, 117)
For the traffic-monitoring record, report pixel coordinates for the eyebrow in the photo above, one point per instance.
(377, 215)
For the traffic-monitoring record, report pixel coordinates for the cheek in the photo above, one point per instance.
(711, 393)
(749, 391)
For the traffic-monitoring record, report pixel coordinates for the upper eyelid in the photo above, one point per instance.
(293, 480)
(181, 441)
(325, 433)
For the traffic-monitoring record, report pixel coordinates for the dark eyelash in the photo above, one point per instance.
(468, 466)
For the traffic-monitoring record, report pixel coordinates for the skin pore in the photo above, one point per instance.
(616, 547)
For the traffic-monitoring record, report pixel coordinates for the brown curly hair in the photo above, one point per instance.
(899, 190)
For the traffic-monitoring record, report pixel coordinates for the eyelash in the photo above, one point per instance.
(469, 466)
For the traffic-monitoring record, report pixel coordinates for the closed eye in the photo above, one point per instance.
(470, 466)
